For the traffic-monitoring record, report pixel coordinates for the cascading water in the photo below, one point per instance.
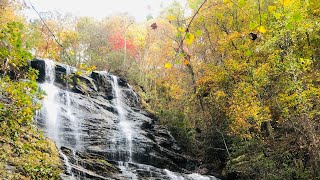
(74, 123)
(125, 127)
(50, 110)
(49, 104)
(107, 125)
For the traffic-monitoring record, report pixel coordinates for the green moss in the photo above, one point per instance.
(106, 163)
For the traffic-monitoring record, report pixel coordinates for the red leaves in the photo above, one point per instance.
(117, 42)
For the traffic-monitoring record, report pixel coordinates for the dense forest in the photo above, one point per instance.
(236, 82)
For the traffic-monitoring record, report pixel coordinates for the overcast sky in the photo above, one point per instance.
(140, 9)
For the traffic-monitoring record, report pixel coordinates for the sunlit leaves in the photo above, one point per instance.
(272, 8)
(201, 19)
(249, 60)
(181, 29)
(289, 26)
(253, 25)
(297, 17)
(277, 15)
(171, 17)
(177, 61)
(168, 65)
(241, 3)
(194, 3)
(198, 33)
(246, 111)
(262, 29)
(285, 2)
(219, 16)
(248, 52)
(13, 49)
(305, 64)
(220, 94)
(189, 38)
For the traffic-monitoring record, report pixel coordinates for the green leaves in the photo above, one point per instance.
(289, 26)
(297, 17)
(198, 33)
(247, 52)
(194, 3)
(241, 3)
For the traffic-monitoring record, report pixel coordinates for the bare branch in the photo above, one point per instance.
(44, 23)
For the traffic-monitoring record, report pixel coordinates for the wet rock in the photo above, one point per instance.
(61, 74)
(103, 84)
(83, 84)
(164, 138)
(131, 98)
(123, 83)
(66, 151)
(39, 65)
(95, 139)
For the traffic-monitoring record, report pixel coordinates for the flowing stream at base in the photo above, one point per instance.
(60, 121)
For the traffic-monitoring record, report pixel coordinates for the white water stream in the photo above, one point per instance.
(53, 109)
(125, 127)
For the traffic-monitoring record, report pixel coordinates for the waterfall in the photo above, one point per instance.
(74, 123)
(125, 127)
(49, 104)
(50, 108)
(124, 124)
(172, 175)
(106, 126)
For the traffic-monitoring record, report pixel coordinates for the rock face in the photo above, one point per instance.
(97, 122)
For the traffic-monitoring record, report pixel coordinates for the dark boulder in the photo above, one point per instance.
(123, 83)
(83, 84)
(103, 83)
(61, 74)
(39, 65)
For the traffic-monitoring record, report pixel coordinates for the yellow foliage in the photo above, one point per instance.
(171, 17)
(277, 15)
(246, 110)
(272, 8)
(286, 2)
(220, 94)
(262, 29)
(189, 38)
(181, 29)
(168, 65)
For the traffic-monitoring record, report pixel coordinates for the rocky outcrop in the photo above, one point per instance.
(39, 65)
(97, 144)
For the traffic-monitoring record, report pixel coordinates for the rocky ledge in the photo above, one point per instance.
(97, 146)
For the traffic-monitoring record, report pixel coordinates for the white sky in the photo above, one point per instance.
(139, 9)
